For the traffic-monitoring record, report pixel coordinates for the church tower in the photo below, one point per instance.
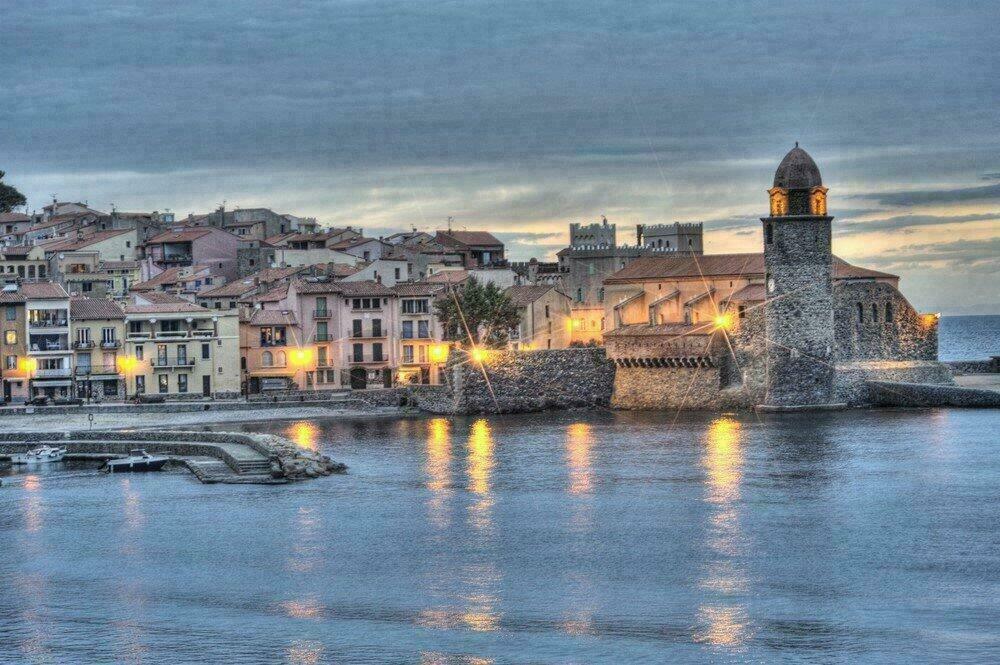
(799, 285)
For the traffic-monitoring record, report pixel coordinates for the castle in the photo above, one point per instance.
(793, 327)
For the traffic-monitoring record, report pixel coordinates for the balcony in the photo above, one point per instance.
(48, 347)
(60, 373)
(373, 335)
(48, 323)
(171, 334)
(110, 344)
(321, 314)
(83, 344)
(165, 362)
(176, 258)
(273, 343)
(202, 334)
(140, 335)
(96, 370)
(323, 337)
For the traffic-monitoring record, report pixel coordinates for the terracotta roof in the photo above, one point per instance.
(448, 277)
(274, 240)
(95, 308)
(364, 288)
(179, 236)
(405, 289)
(230, 290)
(354, 242)
(8, 217)
(164, 308)
(16, 250)
(522, 296)
(279, 292)
(119, 265)
(338, 269)
(11, 297)
(467, 238)
(272, 317)
(718, 265)
(749, 293)
(161, 298)
(70, 244)
(43, 291)
(171, 276)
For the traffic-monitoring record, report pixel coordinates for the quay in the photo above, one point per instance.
(213, 457)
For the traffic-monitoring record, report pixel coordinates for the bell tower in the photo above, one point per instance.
(799, 286)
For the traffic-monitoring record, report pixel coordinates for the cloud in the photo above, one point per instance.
(979, 256)
(933, 196)
(907, 223)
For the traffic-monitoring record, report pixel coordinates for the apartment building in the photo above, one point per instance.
(48, 348)
(419, 335)
(14, 372)
(180, 349)
(22, 262)
(546, 320)
(272, 352)
(97, 330)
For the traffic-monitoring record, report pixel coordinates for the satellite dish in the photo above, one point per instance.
(61, 256)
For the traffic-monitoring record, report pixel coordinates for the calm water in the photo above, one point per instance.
(969, 337)
(566, 538)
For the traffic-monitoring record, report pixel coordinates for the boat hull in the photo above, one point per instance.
(26, 459)
(125, 466)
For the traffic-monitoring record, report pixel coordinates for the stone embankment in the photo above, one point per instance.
(245, 458)
(886, 393)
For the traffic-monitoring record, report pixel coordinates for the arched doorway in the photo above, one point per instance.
(359, 378)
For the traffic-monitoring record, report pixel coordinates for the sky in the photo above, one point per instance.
(521, 117)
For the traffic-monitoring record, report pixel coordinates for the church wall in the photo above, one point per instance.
(907, 335)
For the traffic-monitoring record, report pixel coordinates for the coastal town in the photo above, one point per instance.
(233, 304)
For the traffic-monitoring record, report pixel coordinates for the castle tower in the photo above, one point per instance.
(799, 283)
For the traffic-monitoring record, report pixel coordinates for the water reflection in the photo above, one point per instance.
(33, 509)
(304, 433)
(306, 552)
(304, 652)
(723, 622)
(481, 577)
(480, 470)
(579, 441)
(305, 608)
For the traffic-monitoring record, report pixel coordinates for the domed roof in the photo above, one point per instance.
(797, 171)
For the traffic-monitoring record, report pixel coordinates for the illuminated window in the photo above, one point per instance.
(817, 201)
(10, 337)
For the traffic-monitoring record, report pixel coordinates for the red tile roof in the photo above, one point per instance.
(95, 308)
(43, 291)
(164, 308)
(467, 238)
(686, 266)
(272, 317)
(522, 296)
(178, 236)
(448, 277)
(161, 298)
(71, 244)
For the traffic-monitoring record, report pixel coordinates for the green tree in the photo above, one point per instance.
(484, 311)
(10, 198)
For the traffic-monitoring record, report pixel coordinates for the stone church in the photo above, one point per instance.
(792, 327)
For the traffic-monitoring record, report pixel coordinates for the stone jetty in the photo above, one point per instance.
(213, 457)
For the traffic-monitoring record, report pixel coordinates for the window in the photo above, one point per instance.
(407, 353)
(861, 313)
(107, 335)
(415, 307)
(359, 353)
(742, 309)
(423, 331)
(321, 356)
(407, 329)
(10, 362)
(267, 359)
(140, 384)
(182, 354)
(321, 306)
(874, 313)
(888, 312)
(11, 312)
(139, 352)
(423, 354)
(170, 326)
(356, 330)
(10, 337)
(182, 383)
(600, 294)
(206, 351)
(579, 295)
(376, 327)
(164, 385)
(272, 336)
(769, 233)
(134, 327)
(83, 336)
(86, 287)
(397, 273)
(377, 352)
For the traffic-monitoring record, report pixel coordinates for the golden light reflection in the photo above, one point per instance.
(33, 509)
(304, 433)
(579, 441)
(435, 658)
(724, 623)
(307, 608)
(304, 652)
(480, 470)
(438, 454)
(306, 553)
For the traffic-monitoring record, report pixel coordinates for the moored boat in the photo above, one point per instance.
(137, 460)
(40, 455)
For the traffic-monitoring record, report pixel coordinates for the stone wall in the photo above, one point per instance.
(991, 366)
(851, 385)
(524, 381)
(658, 388)
(885, 393)
(866, 330)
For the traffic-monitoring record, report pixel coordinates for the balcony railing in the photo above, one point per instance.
(83, 344)
(49, 348)
(321, 314)
(202, 333)
(372, 335)
(48, 323)
(323, 337)
(61, 373)
(176, 258)
(170, 363)
(95, 370)
(270, 343)
(171, 334)
(140, 335)
(110, 344)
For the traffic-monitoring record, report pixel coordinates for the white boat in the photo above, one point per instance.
(138, 460)
(40, 455)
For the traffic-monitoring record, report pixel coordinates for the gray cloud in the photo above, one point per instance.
(934, 196)
(907, 223)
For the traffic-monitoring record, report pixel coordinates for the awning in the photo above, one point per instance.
(51, 383)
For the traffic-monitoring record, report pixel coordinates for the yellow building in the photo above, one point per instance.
(97, 331)
(546, 322)
(180, 349)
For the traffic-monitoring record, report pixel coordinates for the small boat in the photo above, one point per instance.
(40, 455)
(138, 460)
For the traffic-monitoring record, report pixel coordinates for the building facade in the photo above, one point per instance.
(97, 331)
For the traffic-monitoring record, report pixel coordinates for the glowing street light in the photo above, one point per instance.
(479, 355)
(438, 353)
(724, 321)
(302, 358)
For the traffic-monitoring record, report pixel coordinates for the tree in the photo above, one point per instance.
(10, 198)
(489, 314)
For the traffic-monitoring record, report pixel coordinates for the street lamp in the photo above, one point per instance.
(127, 365)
